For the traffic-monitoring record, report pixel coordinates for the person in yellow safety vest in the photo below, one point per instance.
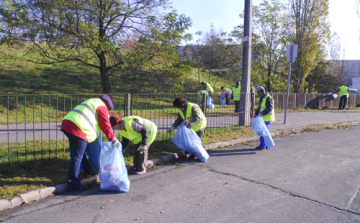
(266, 110)
(207, 87)
(236, 95)
(141, 132)
(201, 96)
(192, 114)
(82, 126)
(344, 94)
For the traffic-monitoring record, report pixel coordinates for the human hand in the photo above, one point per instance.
(170, 130)
(187, 124)
(142, 148)
(115, 142)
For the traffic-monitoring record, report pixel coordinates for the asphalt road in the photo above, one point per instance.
(46, 131)
(310, 177)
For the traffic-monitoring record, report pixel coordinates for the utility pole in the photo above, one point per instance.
(244, 116)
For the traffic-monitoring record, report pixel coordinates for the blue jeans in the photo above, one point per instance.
(79, 155)
(262, 141)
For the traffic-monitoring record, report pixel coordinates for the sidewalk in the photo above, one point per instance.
(295, 121)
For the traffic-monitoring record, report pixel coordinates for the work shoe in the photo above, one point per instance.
(81, 187)
(133, 170)
(138, 172)
(259, 148)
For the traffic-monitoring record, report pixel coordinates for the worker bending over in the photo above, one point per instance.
(141, 132)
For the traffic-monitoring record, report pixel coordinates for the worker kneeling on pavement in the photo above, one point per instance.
(141, 132)
(192, 115)
(82, 126)
(266, 109)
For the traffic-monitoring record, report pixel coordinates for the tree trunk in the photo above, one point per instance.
(105, 83)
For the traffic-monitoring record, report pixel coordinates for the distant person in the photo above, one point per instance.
(207, 87)
(201, 96)
(82, 126)
(236, 95)
(344, 94)
(266, 110)
(192, 114)
(227, 95)
(252, 101)
(141, 132)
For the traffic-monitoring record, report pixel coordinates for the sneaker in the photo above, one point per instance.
(259, 148)
(138, 172)
(133, 170)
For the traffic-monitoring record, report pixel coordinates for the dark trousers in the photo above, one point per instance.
(79, 155)
(237, 106)
(343, 102)
(140, 158)
(228, 101)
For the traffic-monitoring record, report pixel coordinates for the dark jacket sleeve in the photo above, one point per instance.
(178, 121)
(144, 135)
(195, 114)
(336, 91)
(269, 106)
(125, 142)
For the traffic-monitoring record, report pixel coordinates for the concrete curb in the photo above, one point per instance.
(60, 188)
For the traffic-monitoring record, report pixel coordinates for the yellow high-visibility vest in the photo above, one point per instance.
(236, 92)
(135, 136)
(85, 117)
(344, 91)
(196, 126)
(270, 117)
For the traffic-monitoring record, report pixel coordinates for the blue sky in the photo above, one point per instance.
(225, 14)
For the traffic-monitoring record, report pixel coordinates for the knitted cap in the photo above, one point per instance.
(107, 100)
(259, 88)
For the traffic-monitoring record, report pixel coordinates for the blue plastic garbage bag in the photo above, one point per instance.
(187, 140)
(113, 172)
(209, 103)
(259, 127)
(223, 103)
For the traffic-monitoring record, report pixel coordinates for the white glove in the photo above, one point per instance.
(142, 148)
(170, 130)
(115, 142)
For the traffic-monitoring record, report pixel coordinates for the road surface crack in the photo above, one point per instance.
(291, 193)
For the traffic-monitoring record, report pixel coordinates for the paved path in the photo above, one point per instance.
(47, 131)
(310, 177)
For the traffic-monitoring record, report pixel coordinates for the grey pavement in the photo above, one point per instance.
(52, 131)
(309, 177)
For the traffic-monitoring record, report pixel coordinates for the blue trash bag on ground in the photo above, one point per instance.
(113, 172)
(259, 127)
(187, 140)
(223, 103)
(209, 103)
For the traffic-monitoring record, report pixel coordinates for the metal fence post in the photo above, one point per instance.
(294, 101)
(127, 105)
(304, 100)
(203, 108)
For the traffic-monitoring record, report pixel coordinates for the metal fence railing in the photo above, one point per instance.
(30, 124)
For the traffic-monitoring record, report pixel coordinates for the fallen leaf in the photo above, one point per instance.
(226, 183)
(161, 212)
(137, 219)
(240, 189)
(102, 207)
(111, 201)
(217, 194)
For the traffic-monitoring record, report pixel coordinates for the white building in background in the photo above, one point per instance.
(352, 72)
